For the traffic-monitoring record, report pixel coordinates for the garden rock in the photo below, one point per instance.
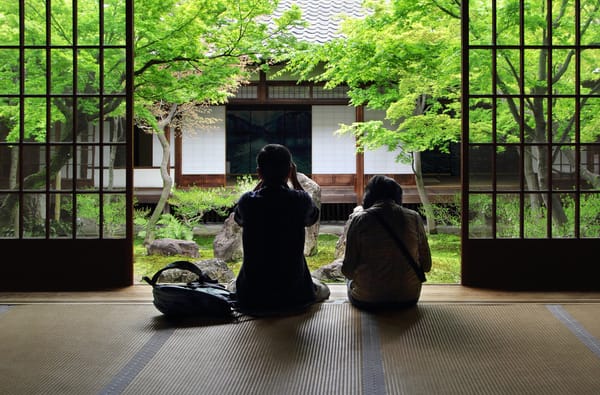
(331, 272)
(340, 245)
(227, 244)
(216, 269)
(312, 232)
(170, 247)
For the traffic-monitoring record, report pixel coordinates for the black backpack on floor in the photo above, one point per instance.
(202, 298)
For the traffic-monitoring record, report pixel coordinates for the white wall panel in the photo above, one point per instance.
(149, 178)
(203, 150)
(142, 178)
(118, 178)
(332, 153)
(382, 161)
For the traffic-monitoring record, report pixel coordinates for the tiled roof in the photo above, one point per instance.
(322, 17)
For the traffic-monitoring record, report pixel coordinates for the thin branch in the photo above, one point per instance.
(447, 10)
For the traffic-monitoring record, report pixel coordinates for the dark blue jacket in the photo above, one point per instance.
(274, 273)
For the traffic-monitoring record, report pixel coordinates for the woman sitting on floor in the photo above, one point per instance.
(380, 275)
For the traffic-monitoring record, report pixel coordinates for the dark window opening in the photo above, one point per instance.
(250, 128)
(142, 148)
(436, 162)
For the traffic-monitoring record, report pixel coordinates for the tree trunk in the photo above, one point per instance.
(58, 186)
(592, 178)
(12, 182)
(166, 191)
(558, 213)
(431, 225)
(420, 108)
(116, 136)
(531, 180)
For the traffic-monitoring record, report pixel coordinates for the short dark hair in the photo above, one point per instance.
(381, 188)
(274, 162)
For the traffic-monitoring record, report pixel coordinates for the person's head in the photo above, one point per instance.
(381, 188)
(274, 163)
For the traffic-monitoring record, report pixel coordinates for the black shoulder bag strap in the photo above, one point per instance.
(203, 278)
(418, 269)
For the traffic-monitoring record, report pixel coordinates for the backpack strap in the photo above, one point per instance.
(418, 269)
(183, 265)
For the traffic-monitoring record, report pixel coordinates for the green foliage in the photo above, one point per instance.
(445, 255)
(88, 209)
(200, 51)
(187, 52)
(193, 53)
(168, 226)
(147, 265)
(140, 216)
(171, 227)
(114, 214)
(447, 214)
(535, 221)
(191, 204)
(559, 70)
(61, 62)
(189, 207)
(403, 57)
(589, 214)
(50, 78)
(325, 251)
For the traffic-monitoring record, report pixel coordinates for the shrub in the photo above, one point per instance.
(189, 207)
(191, 204)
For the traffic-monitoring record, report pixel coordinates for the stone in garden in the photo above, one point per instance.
(216, 269)
(312, 232)
(340, 245)
(227, 244)
(170, 247)
(331, 272)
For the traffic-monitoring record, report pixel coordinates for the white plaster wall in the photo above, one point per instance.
(382, 161)
(118, 178)
(142, 178)
(332, 153)
(149, 178)
(203, 150)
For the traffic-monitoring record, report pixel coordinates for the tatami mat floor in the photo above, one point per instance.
(456, 341)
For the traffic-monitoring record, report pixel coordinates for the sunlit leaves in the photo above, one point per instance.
(201, 51)
(402, 57)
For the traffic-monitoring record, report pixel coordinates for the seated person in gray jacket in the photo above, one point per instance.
(379, 273)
